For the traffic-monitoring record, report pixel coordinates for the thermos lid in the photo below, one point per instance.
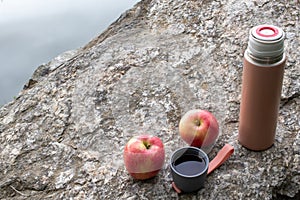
(266, 41)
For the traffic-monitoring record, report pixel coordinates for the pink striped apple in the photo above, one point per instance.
(144, 156)
(199, 128)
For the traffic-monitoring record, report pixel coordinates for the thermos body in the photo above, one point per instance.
(263, 70)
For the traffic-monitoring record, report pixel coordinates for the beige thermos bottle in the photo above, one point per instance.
(263, 69)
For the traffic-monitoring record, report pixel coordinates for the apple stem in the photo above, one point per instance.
(147, 145)
(197, 122)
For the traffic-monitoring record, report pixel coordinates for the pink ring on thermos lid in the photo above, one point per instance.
(267, 31)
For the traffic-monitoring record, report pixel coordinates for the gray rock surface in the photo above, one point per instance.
(63, 136)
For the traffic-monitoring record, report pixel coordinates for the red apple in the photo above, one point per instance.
(199, 128)
(144, 156)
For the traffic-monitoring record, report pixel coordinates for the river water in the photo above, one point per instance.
(32, 32)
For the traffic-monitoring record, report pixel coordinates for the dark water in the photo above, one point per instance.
(189, 165)
(32, 32)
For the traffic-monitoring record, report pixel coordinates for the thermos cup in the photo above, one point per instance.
(263, 69)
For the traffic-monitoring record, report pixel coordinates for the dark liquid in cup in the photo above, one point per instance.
(189, 165)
